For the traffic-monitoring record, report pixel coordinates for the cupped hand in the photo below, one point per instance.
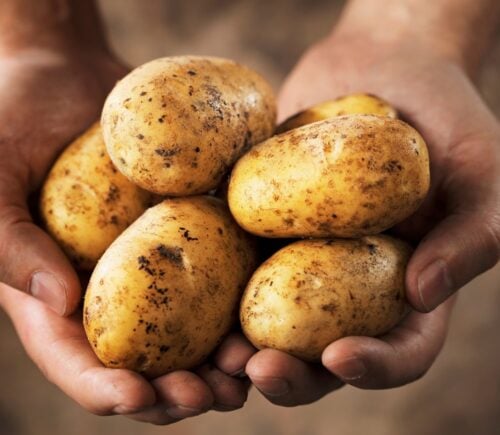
(48, 98)
(456, 231)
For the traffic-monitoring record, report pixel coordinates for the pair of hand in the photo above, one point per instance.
(49, 97)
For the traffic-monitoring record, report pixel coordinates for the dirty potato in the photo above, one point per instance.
(352, 104)
(176, 125)
(314, 292)
(343, 177)
(86, 203)
(167, 290)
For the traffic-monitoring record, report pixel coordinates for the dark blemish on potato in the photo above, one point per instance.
(144, 264)
(164, 348)
(114, 363)
(392, 166)
(101, 282)
(297, 299)
(190, 91)
(194, 164)
(140, 136)
(122, 161)
(188, 237)
(167, 153)
(114, 220)
(197, 150)
(161, 119)
(330, 308)
(351, 296)
(174, 255)
(288, 222)
(372, 248)
(220, 231)
(143, 93)
(113, 193)
(191, 72)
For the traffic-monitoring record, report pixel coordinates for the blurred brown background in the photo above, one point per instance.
(460, 394)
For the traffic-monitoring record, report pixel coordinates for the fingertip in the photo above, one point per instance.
(233, 354)
(183, 388)
(134, 395)
(347, 358)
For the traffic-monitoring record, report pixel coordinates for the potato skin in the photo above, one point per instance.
(344, 177)
(167, 290)
(176, 125)
(313, 292)
(352, 104)
(86, 203)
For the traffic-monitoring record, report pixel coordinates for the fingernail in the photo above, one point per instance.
(225, 408)
(123, 410)
(239, 374)
(46, 287)
(350, 369)
(272, 386)
(179, 412)
(434, 285)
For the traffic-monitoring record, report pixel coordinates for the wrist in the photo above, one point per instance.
(457, 31)
(58, 26)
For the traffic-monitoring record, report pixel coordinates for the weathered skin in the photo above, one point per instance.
(176, 125)
(86, 203)
(167, 290)
(363, 104)
(313, 292)
(344, 177)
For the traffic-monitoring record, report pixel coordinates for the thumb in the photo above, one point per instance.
(31, 261)
(461, 247)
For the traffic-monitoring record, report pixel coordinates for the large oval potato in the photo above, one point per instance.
(167, 290)
(176, 125)
(343, 177)
(352, 104)
(313, 292)
(86, 203)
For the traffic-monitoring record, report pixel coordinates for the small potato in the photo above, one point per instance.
(363, 104)
(167, 290)
(314, 292)
(176, 125)
(86, 203)
(344, 177)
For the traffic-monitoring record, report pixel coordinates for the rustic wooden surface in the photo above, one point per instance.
(461, 393)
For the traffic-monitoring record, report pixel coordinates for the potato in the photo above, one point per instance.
(86, 203)
(347, 105)
(313, 292)
(176, 125)
(167, 290)
(344, 177)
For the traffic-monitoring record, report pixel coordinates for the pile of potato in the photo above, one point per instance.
(132, 201)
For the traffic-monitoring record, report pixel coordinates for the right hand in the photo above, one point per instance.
(48, 98)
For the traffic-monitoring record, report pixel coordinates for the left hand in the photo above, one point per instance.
(456, 228)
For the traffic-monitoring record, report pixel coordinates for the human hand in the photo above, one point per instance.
(457, 229)
(49, 97)
(60, 349)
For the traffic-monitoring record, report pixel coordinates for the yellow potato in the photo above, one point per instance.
(313, 292)
(344, 177)
(86, 203)
(176, 125)
(167, 290)
(363, 104)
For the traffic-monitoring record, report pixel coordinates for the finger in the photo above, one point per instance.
(60, 349)
(397, 358)
(31, 260)
(233, 354)
(461, 247)
(288, 381)
(229, 393)
(181, 394)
